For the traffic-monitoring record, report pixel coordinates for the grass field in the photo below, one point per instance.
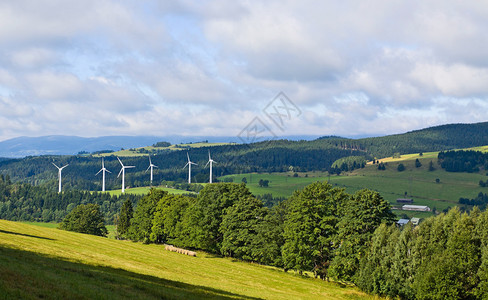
(280, 184)
(42, 262)
(418, 183)
(176, 147)
(145, 190)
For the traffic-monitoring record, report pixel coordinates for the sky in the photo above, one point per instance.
(230, 68)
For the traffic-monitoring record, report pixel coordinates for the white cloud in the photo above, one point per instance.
(208, 68)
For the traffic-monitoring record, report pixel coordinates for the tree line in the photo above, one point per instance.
(320, 229)
(323, 230)
(25, 202)
(463, 160)
(445, 257)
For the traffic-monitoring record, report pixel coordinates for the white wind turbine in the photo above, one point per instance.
(210, 161)
(122, 170)
(151, 166)
(103, 169)
(59, 175)
(189, 163)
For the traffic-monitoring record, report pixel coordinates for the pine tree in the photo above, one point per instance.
(125, 216)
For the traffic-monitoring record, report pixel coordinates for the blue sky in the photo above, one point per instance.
(208, 68)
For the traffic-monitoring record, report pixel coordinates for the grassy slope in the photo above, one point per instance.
(419, 183)
(39, 262)
(128, 152)
(145, 190)
(280, 184)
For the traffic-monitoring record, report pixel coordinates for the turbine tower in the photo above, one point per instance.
(151, 165)
(189, 163)
(122, 170)
(210, 161)
(103, 169)
(59, 175)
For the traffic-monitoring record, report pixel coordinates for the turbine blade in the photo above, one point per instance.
(55, 165)
(99, 172)
(186, 165)
(207, 163)
(120, 161)
(120, 172)
(147, 169)
(108, 171)
(188, 155)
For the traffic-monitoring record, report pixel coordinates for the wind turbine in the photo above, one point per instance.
(122, 170)
(59, 175)
(210, 161)
(103, 169)
(189, 163)
(151, 165)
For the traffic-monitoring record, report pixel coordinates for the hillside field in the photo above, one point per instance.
(280, 184)
(42, 262)
(145, 190)
(419, 183)
(175, 147)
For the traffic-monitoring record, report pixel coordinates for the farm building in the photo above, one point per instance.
(402, 222)
(415, 207)
(415, 221)
(404, 200)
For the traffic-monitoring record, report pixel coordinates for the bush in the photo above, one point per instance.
(401, 168)
(85, 219)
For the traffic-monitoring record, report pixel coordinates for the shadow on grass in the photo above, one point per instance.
(29, 275)
(27, 235)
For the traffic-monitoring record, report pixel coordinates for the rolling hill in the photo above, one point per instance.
(264, 157)
(437, 189)
(39, 262)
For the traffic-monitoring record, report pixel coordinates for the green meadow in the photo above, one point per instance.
(176, 147)
(41, 262)
(145, 190)
(437, 189)
(280, 184)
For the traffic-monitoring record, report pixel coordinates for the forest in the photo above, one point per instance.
(463, 161)
(320, 229)
(25, 202)
(325, 231)
(445, 257)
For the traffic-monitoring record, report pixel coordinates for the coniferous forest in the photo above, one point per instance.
(25, 202)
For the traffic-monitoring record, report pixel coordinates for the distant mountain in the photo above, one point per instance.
(71, 145)
(62, 145)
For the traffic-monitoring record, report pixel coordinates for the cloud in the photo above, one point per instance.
(208, 68)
